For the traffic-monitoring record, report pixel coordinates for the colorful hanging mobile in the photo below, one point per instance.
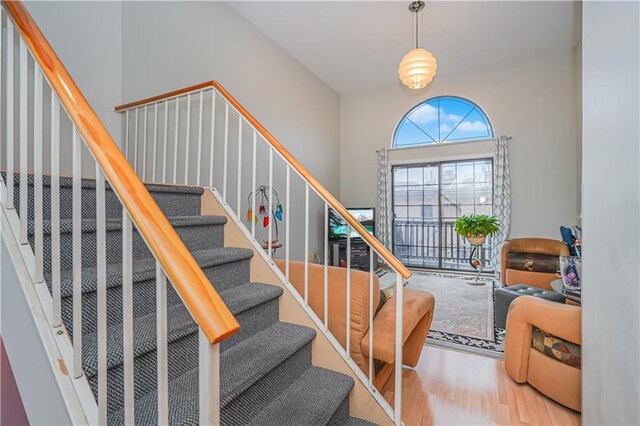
(262, 196)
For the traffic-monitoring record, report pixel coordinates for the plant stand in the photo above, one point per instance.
(476, 263)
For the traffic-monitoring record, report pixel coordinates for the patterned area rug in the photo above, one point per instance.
(463, 318)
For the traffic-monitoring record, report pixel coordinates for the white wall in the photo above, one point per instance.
(86, 35)
(535, 102)
(611, 208)
(190, 42)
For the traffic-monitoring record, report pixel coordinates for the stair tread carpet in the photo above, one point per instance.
(311, 400)
(145, 269)
(90, 225)
(179, 325)
(240, 367)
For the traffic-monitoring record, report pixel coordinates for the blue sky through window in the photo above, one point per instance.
(442, 119)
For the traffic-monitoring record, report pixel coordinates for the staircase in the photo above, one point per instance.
(266, 373)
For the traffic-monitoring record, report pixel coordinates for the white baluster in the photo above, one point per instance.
(101, 263)
(155, 142)
(397, 406)
(10, 117)
(144, 145)
(77, 253)
(226, 147)
(326, 267)
(163, 346)
(287, 216)
(348, 316)
(208, 380)
(371, 272)
(253, 185)
(200, 108)
(126, 134)
(24, 147)
(55, 210)
(135, 142)
(164, 143)
(306, 245)
(213, 135)
(239, 190)
(187, 140)
(127, 317)
(175, 142)
(271, 219)
(37, 165)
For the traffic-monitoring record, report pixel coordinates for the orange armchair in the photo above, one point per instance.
(528, 275)
(525, 364)
(417, 315)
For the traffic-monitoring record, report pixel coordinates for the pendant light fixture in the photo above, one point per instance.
(419, 66)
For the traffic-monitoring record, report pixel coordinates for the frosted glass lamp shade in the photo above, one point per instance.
(417, 68)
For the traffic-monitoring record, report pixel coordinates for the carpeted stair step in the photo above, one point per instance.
(312, 400)
(253, 373)
(181, 336)
(197, 232)
(173, 200)
(226, 267)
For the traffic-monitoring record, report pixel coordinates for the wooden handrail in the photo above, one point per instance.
(202, 300)
(311, 180)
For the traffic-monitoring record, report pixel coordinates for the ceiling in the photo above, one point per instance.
(357, 45)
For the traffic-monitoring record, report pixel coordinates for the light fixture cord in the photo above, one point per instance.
(416, 29)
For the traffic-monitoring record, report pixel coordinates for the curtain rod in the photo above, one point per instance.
(441, 144)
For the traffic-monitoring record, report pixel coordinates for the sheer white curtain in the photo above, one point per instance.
(501, 200)
(383, 210)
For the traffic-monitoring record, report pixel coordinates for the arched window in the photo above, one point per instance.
(440, 120)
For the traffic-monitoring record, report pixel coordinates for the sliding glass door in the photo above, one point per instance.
(427, 200)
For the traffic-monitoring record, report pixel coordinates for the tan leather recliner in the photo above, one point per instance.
(531, 246)
(558, 381)
(417, 314)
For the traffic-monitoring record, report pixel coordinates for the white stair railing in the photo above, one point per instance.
(39, 68)
(227, 162)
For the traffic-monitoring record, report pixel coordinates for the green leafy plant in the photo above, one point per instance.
(476, 225)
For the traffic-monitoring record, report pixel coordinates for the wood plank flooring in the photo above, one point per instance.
(454, 388)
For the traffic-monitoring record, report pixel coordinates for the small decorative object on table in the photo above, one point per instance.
(571, 271)
(476, 229)
(262, 196)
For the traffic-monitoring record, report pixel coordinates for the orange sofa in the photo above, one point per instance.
(526, 364)
(527, 274)
(417, 315)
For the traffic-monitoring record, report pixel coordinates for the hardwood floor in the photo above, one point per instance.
(454, 388)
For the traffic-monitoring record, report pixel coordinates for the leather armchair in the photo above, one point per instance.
(557, 380)
(417, 315)
(535, 246)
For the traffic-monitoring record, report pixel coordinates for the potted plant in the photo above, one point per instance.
(476, 227)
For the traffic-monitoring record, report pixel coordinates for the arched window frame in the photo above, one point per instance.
(476, 107)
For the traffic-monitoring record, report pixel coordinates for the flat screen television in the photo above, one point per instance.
(338, 226)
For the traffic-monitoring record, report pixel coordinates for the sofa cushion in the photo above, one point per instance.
(556, 348)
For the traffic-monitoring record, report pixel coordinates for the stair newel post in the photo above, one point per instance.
(55, 211)
(371, 273)
(77, 252)
(397, 405)
(24, 147)
(101, 263)
(163, 346)
(208, 380)
(10, 110)
(37, 166)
